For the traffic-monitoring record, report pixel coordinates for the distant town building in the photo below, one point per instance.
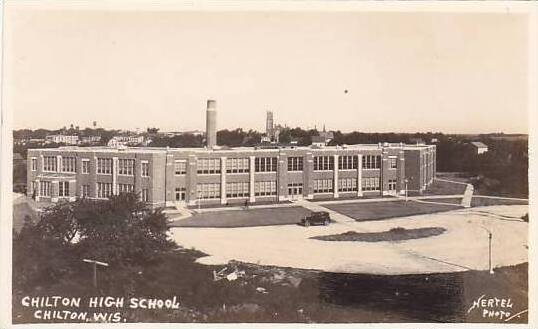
(479, 147)
(125, 141)
(417, 141)
(319, 141)
(90, 140)
(18, 159)
(62, 139)
(272, 130)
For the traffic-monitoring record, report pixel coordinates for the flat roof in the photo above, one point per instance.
(148, 149)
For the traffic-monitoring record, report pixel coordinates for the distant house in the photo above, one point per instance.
(126, 141)
(90, 140)
(417, 141)
(479, 147)
(319, 141)
(17, 158)
(62, 139)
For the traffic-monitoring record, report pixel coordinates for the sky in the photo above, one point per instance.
(403, 71)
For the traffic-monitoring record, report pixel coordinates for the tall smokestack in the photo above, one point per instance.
(269, 123)
(211, 123)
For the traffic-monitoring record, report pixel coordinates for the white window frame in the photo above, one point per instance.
(144, 163)
(83, 162)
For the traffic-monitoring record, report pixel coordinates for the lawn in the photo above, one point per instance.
(455, 201)
(479, 202)
(245, 218)
(292, 295)
(381, 210)
(443, 188)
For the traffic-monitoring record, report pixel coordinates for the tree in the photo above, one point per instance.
(122, 231)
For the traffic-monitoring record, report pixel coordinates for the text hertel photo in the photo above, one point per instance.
(340, 163)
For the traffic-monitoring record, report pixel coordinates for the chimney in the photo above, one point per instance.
(211, 123)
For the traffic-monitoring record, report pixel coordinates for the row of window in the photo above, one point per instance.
(104, 165)
(212, 190)
(104, 190)
(371, 162)
(326, 185)
(237, 190)
(208, 166)
(213, 166)
(265, 164)
(237, 165)
(350, 185)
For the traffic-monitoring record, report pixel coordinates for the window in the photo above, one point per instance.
(69, 164)
(392, 185)
(265, 164)
(393, 163)
(208, 191)
(126, 167)
(50, 163)
(180, 193)
(45, 188)
(295, 164)
(208, 166)
(85, 166)
(145, 195)
(104, 166)
(237, 165)
(63, 189)
(347, 185)
(104, 190)
(125, 188)
(34, 189)
(370, 184)
(324, 163)
(323, 186)
(34, 164)
(371, 162)
(180, 167)
(145, 169)
(85, 191)
(265, 188)
(237, 190)
(347, 162)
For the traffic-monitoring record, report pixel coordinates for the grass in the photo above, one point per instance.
(245, 218)
(438, 187)
(455, 201)
(394, 234)
(382, 210)
(293, 295)
(480, 202)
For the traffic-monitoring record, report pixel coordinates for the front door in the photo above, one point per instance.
(392, 186)
(295, 191)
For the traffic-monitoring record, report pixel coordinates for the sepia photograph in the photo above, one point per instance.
(287, 162)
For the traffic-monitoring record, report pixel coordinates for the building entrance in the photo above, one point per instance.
(295, 191)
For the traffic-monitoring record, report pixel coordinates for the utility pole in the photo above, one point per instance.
(95, 263)
(490, 237)
(490, 267)
(406, 181)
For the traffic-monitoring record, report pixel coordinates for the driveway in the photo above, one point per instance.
(464, 245)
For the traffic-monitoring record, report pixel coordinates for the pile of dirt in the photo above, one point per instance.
(394, 234)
